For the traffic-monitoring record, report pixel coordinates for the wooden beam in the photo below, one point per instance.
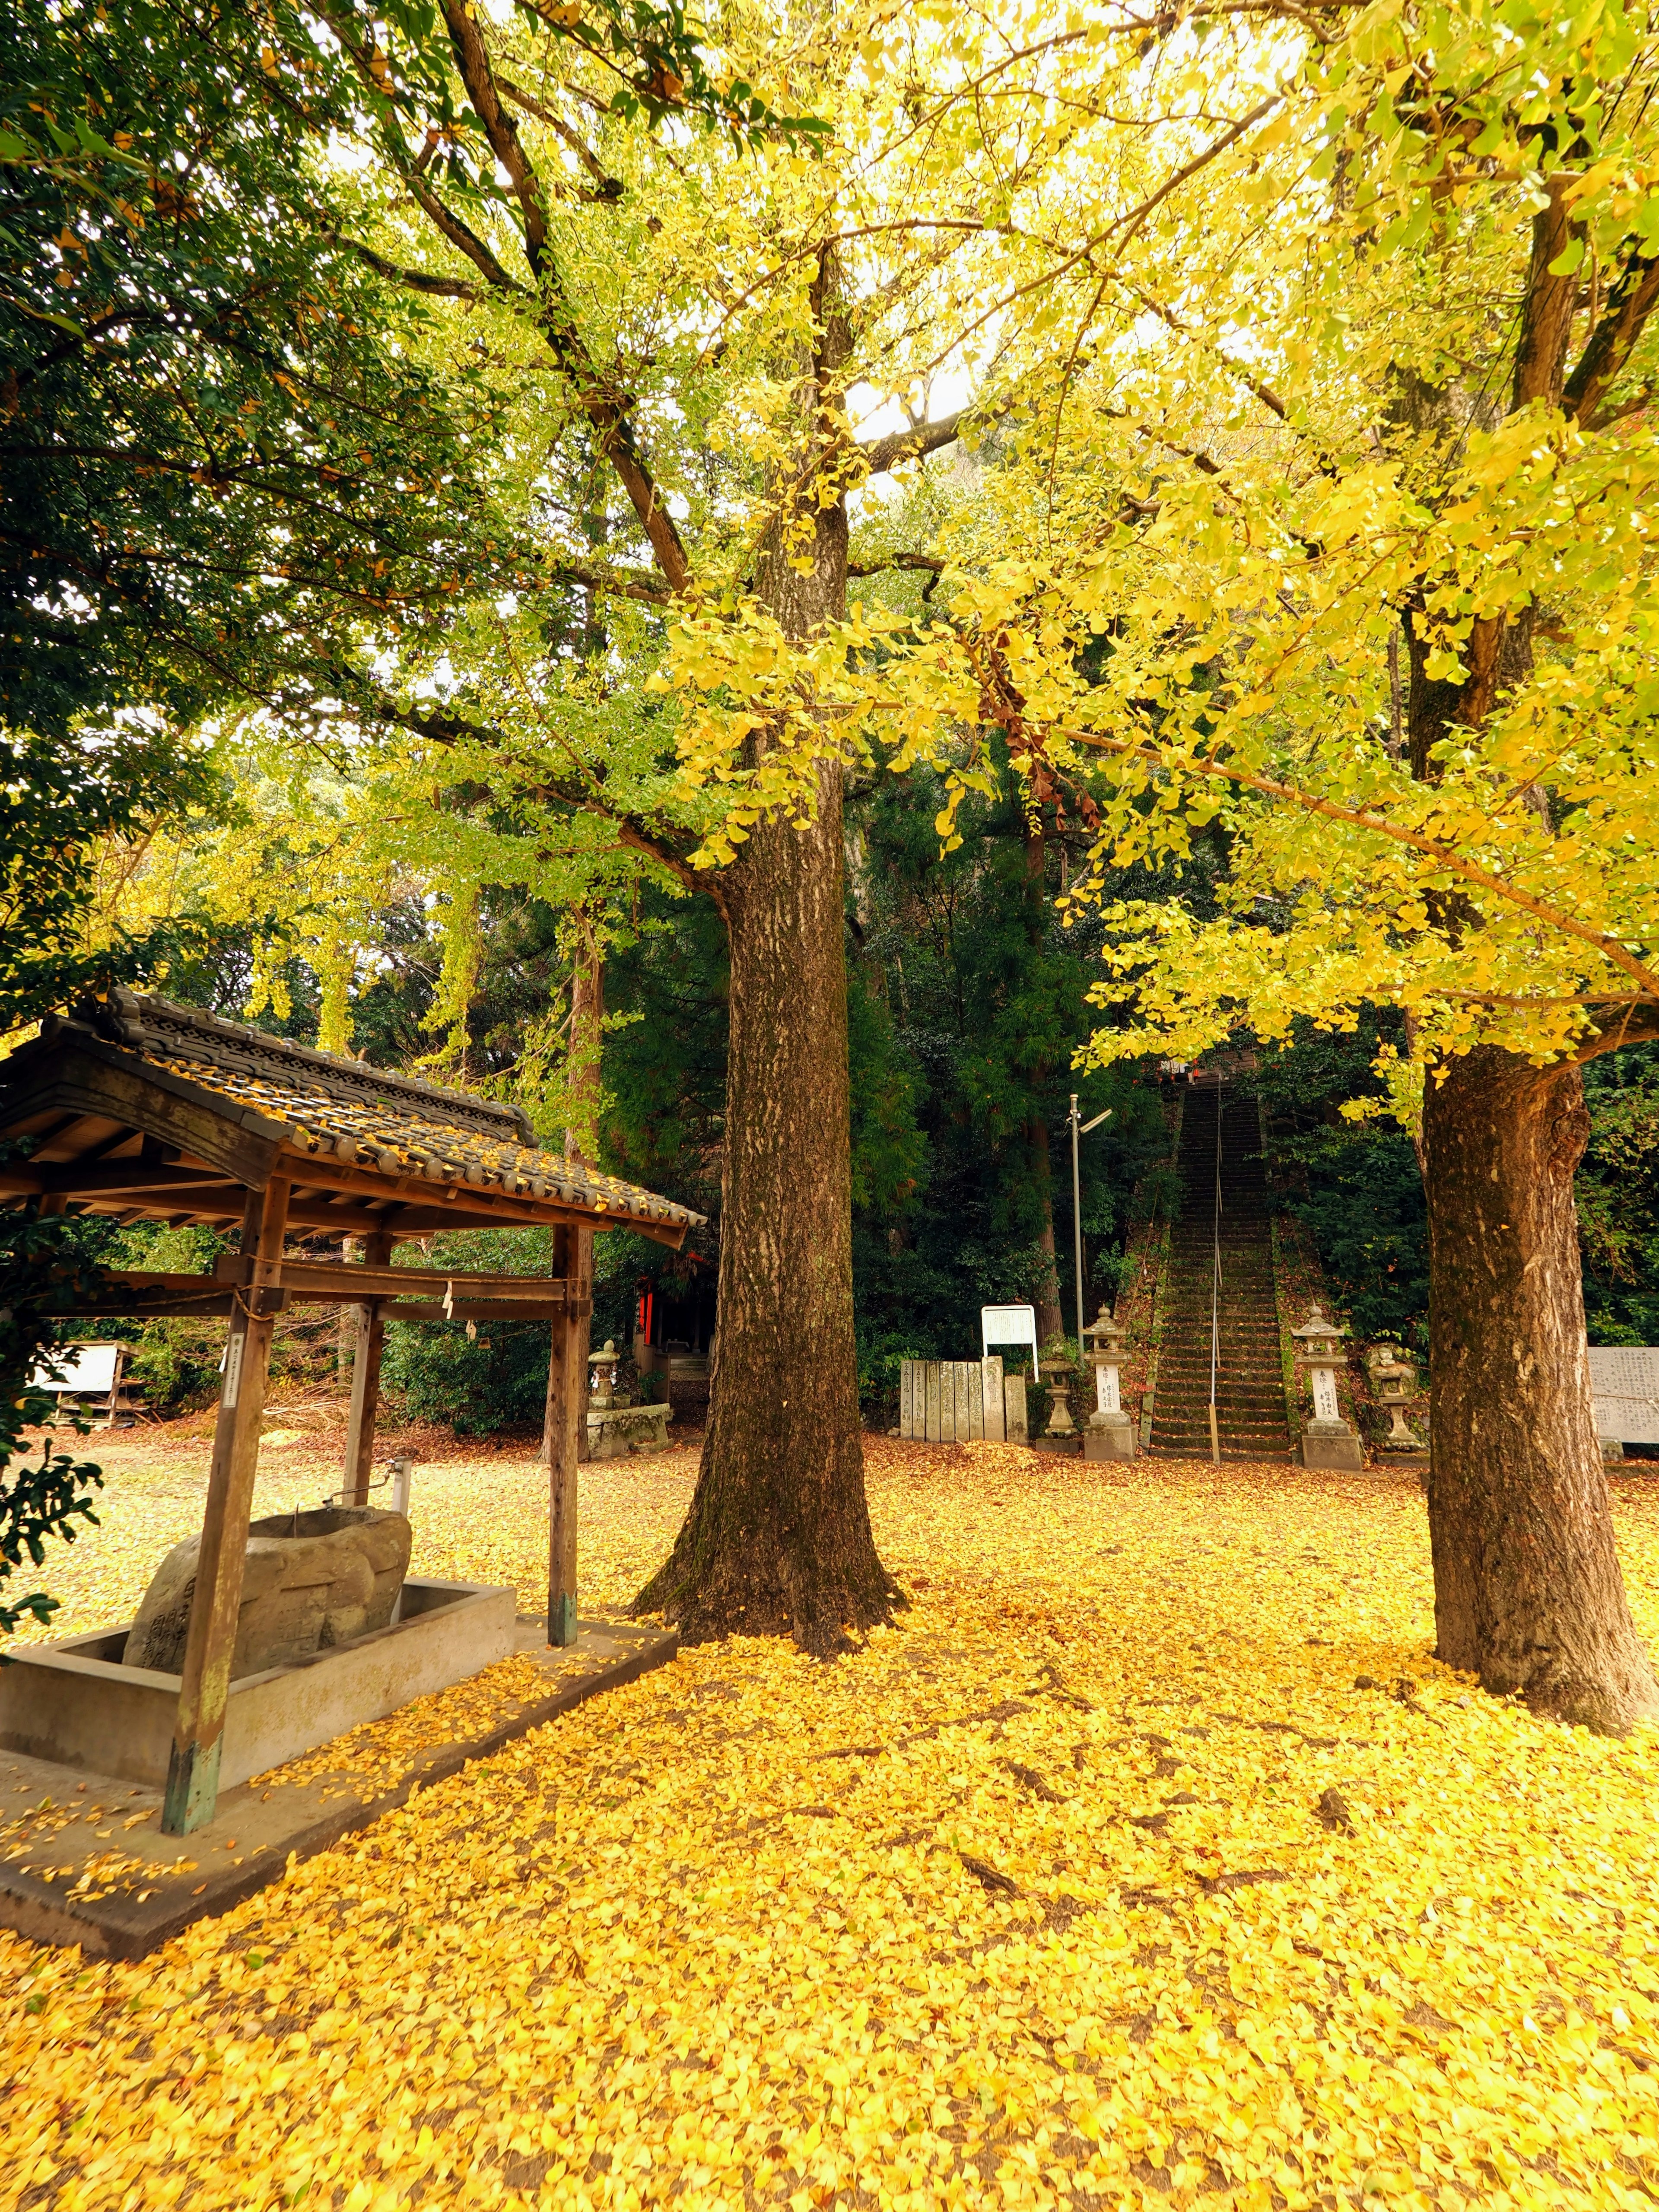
(106, 1178)
(333, 1278)
(445, 1200)
(365, 1367)
(561, 1435)
(192, 1788)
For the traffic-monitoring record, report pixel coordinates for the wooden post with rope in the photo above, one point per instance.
(192, 1786)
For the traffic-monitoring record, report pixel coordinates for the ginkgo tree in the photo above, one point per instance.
(1305, 349)
(1341, 539)
(836, 212)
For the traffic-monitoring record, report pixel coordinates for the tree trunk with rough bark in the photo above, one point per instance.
(778, 1538)
(1529, 1594)
(1527, 1590)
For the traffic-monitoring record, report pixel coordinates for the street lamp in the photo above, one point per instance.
(1077, 1206)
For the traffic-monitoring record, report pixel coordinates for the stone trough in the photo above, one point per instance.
(76, 1703)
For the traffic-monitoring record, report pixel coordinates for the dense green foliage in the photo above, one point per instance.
(1355, 1185)
(1619, 1197)
(219, 457)
(44, 1490)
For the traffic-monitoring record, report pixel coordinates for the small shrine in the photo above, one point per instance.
(134, 1107)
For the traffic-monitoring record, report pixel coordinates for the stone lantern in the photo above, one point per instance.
(1327, 1439)
(1059, 1432)
(1394, 1379)
(1110, 1433)
(602, 1381)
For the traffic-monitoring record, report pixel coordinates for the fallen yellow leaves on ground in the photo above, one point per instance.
(1150, 1861)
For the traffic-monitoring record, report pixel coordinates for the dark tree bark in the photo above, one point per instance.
(1527, 1590)
(778, 1538)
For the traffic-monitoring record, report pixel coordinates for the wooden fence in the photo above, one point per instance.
(952, 1402)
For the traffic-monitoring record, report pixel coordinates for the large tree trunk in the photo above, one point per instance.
(778, 1538)
(1527, 1590)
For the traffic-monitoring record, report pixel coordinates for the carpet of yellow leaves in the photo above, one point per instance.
(1097, 1882)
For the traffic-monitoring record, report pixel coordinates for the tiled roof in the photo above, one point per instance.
(369, 1119)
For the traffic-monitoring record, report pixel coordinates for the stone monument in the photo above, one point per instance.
(1110, 1433)
(1327, 1440)
(1625, 1387)
(313, 1580)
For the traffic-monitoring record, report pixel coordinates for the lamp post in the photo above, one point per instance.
(1394, 1378)
(1076, 1206)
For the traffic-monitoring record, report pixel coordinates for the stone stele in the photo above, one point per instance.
(312, 1580)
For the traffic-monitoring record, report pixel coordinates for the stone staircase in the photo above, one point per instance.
(1250, 1384)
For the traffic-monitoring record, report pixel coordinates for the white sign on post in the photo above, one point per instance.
(88, 1371)
(1009, 1325)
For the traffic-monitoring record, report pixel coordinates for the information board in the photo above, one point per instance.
(1624, 1386)
(88, 1371)
(1009, 1325)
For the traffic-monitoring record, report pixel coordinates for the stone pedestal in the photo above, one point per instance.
(1110, 1436)
(1331, 1443)
(615, 1431)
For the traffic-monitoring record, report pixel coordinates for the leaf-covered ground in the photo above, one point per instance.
(1100, 1880)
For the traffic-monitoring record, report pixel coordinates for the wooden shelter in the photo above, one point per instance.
(135, 1106)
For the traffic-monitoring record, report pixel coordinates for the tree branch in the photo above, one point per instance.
(1629, 302)
(607, 187)
(884, 453)
(896, 560)
(416, 280)
(1357, 818)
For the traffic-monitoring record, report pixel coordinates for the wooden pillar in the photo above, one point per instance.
(370, 1340)
(561, 1434)
(581, 1283)
(211, 1645)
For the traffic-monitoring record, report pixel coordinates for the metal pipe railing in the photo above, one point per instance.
(1215, 1292)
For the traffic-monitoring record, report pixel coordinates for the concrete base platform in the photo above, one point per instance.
(82, 1860)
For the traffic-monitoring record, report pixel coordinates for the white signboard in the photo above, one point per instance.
(1009, 1325)
(1624, 1386)
(88, 1371)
